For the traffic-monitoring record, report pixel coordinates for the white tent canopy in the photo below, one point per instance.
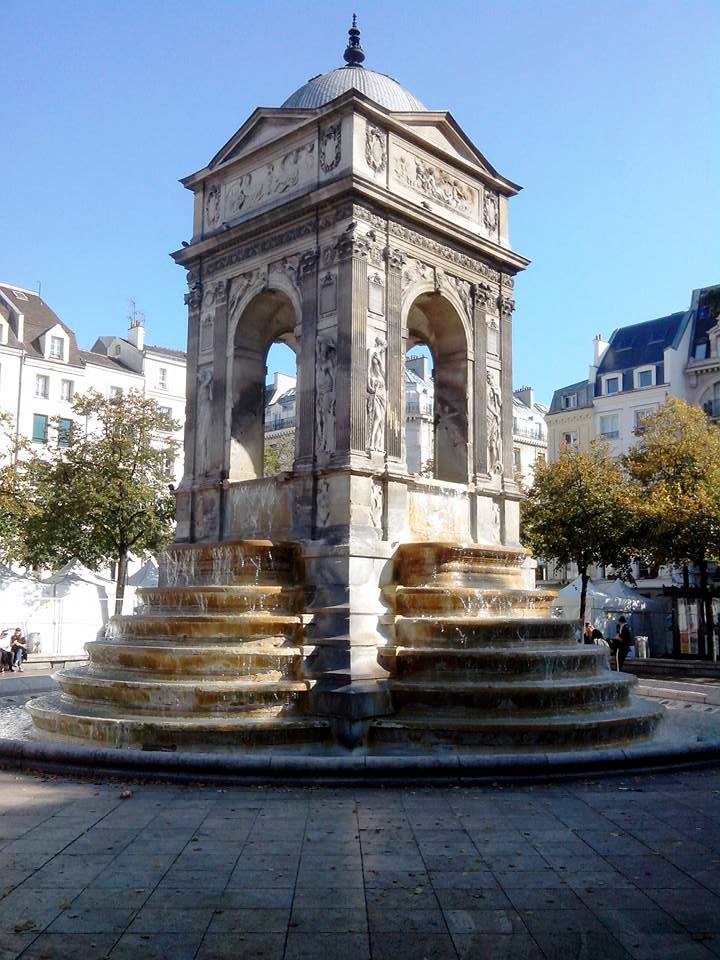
(20, 596)
(146, 576)
(74, 608)
(605, 598)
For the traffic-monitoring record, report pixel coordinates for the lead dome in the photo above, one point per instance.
(378, 87)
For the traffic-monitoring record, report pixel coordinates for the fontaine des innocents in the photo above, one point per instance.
(346, 600)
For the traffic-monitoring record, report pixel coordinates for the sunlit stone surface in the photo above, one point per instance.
(331, 603)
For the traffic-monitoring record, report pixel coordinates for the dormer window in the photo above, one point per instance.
(645, 378)
(118, 349)
(612, 384)
(569, 401)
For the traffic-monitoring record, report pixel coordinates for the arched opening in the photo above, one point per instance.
(267, 319)
(280, 408)
(420, 410)
(434, 324)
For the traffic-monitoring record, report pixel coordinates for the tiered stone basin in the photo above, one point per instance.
(479, 661)
(214, 657)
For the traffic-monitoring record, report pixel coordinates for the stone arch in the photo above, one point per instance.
(265, 316)
(435, 319)
(710, 399)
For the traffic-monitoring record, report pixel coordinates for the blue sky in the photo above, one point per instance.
(608, 113)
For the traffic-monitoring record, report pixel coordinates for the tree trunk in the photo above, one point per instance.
(686, 577)
(583, 591)
(707, 614)
(120, 582)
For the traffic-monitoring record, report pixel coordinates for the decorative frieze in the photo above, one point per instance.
(329, 218)
(259, 247)
(441, 250)
(362, 213)
(330, 147)
(435, 183)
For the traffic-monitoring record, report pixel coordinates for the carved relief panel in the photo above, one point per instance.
(434, 183)
(270, 181)
(330, 147)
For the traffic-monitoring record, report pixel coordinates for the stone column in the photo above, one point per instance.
(395, 358)
(506, 308)
(351, 412)
(217, 468)
(307, 276)
(183, 495)
(480, 456)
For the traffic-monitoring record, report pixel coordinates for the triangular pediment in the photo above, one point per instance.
(441, 130)
(263, 126)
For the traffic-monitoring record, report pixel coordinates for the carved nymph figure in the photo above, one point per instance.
(325, 409)
(493, 425)
(376, 395)
(204, 417)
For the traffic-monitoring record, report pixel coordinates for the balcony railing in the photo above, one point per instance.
(531, 432)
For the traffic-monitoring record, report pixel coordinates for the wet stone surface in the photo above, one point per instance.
(612, 868)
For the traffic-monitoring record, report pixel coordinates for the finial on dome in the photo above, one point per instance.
(354, 54)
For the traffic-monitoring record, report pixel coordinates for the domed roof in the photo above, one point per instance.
(353, 76)
(377, 86)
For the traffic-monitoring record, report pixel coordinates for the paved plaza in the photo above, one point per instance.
(605, 868)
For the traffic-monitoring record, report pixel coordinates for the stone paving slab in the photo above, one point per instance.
(613, 868)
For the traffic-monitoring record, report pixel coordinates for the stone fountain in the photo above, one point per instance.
(347, 601)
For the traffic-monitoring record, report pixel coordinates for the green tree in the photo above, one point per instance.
(676, 467)
(579, 510)
(103, 491)
(15, 505)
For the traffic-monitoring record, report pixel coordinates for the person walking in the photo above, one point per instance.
(623, 641)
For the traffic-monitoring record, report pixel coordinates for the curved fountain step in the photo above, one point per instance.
(104, 724)
(228, 563)
(126, 628)
(436, 600)
(596, 692)
(250, 658)
(493, 663)
(236, 599)
(448, 564)
(173, 695)
(473, 631)
(628, 722)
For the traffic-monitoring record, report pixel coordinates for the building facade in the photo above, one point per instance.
(42, 369)
(529, 434)
(635, 371)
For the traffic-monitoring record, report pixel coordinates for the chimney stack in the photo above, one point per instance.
(136, 333)
(527, 395)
